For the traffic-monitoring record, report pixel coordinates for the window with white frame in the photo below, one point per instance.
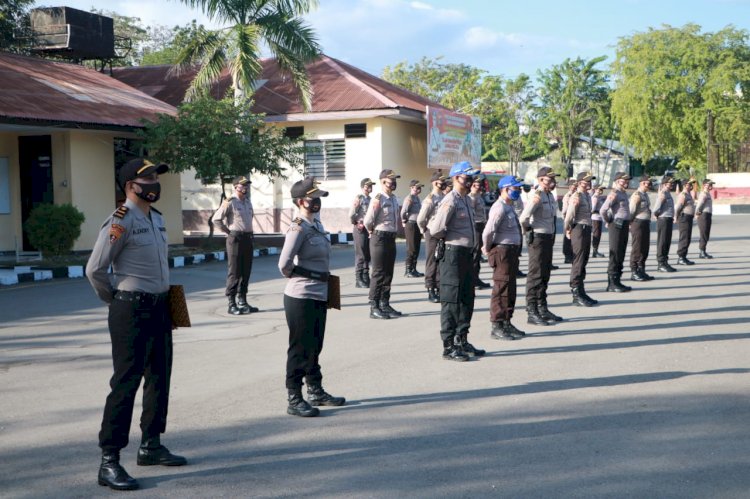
(325, 159)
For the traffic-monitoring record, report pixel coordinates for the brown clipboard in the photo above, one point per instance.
(178, 306)
(334, 292)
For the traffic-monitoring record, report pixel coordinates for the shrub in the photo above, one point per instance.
(53, 229)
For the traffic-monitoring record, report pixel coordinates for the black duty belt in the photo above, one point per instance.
(310, 274)
(239, 233)
(385, 233)
(457, 248)
(140, 296)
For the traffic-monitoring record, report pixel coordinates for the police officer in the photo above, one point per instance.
(518, 205)
(360, 235)
(577, 226)
(597, 199)
(305, 260)
(501, 242)
(480, 220)
(382, 221)
(615, 211)
(567, 248)
(684, 211)
(426, 212)
(640, 229)
(538, 223)
(133, 241)
(409, 213)
(703, 212)
(454, 223)
(235, 219)
(664, 213)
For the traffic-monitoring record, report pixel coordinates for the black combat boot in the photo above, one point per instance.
(366, 277)
(683, 260)
(645, 276)
(299, 406)
(152, 452)
(578, 298)
(469, 349)
(432, 295)
(376, 313)
(582, 292)
(635, 275)
(545, 313)
(385, 307)
(616, 286)
(359, 281)
(233, 309)
(516, 333)
(407, 271)
(535, 318)
(244, 306)
(703, 254)
(451, 351)
(112, 475)
(666, 267)
(317, 397)
(415, 272)
(480, 284)
(499, 332)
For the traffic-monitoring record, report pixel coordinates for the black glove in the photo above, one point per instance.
(530, 236)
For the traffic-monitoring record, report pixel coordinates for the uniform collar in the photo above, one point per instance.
(134, 208)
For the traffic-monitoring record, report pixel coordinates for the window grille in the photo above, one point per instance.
(325, 159)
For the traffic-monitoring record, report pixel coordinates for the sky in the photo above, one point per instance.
(503, 37)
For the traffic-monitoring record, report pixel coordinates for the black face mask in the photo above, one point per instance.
(441, 186)
(313, 205)
(149, 192)
(391, 185)
(466, 182)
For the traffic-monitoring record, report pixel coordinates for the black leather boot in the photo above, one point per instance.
(451, 351)
(299, 406)
(616, 286)
(646, 277)
(545, 313)
(666, 267)
(516, 333)
(499, 332)
(114, 476)
(152, 452)
(582, 292)
(480, 284)
(703, 254)
(469, 349)
(359, 282)
(385, 307)
(635, 275)
(535, 318)
(407, 272)
(244, 306)
(416, 273)
(233, 309)
(432, 296)
(366, 277)
(317, 397)
(578, 298)
(376, 313)
(520, 273)
(683, 260)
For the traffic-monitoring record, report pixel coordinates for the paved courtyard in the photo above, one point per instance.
(646, 395)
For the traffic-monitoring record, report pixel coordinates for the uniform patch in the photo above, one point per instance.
(115, 232)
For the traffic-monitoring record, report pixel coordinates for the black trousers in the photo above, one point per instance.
(663, 239)
(361, 248)
(596, 233)
(685, 227)
(641, 232)
(306, 319)
(704, 226)
(478, 229)
(540, 266)
(141, 334)
(567, 248)
(239, 262)
(580, 242)
(431, 267)
(413, 242)
(503, 259)
(618, 243)
(383, 252)
(456, 291)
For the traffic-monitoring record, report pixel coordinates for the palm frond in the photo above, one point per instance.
(199, 49)
(291, 33)
(208, 74)
(297, 7)
(245, 64)
(291, 63)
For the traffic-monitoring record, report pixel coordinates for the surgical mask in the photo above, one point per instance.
(313, 205)
(467, 182)
(149, 192)
(514, 194)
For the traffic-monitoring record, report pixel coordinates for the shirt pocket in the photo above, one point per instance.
(143, 239)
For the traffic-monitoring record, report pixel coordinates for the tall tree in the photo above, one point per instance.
(669, 79)
(166, 44)
(275, 23)
(573, 99)
(14, 24)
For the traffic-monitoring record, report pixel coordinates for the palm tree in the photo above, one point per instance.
(252, 23)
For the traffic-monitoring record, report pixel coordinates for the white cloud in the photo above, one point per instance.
(421, 6)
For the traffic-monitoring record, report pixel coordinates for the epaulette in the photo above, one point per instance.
(120, 212)
(297, 221)
(378, 195)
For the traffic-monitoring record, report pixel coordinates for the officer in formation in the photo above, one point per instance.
(382, 222)
(133, 241)
(518, 208)
(426, 213)
(305, 259)
(501, 242)
(454, 223)
(597, 199)
(664, 213)
(480, 220)
(235, 218)
(409, 212)
(615, 211)
(640, 229)
(360, 235)
(703, 209)
(538, 222)
(566, 246)
(684, 212)
(577, 226)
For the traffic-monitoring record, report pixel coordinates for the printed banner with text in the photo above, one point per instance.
(452, 137)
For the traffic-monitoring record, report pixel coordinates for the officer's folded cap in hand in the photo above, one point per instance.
(388, 174)
(307, 188)
(545, 171)
(463, 168)
(139, 167)
(508, 181)
(584, 177)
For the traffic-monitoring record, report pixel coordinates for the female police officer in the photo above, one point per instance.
(305, 261)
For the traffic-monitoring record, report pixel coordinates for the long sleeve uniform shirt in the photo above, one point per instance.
(454, 221)
(234, 215)
(640, 206)
(539, 213)
(383, 214)
(502, 226)
(617, 204)
(305, 245)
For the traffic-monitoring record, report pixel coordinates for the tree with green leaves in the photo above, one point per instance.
(669, 79)
(165, 44)
(276, 23)
(14, 24)
(573, 98)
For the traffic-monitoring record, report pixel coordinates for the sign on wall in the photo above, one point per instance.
(4, 186)
(452, 137)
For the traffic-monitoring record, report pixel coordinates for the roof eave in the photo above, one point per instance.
(66, 125)
(400, 113)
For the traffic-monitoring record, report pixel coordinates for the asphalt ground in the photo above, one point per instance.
(645, 395)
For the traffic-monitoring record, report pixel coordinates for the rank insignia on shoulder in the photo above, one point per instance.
(120, 212)
(297, 221)
(378, 196)
(115, 232)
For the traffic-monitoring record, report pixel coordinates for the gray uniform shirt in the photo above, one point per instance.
(596, 205)
(566, 203)
(135, 245)
(306, 246)
(359, 209)
(640, 206)
(685, 204)
(411, 207)
(618, 203)
(382, 214)
(427, 211)
(502, 226)
(664, 207)
(480, 216)
(579, 210)
(454, 221)
(234, 215)
(705, 203)
(539, 213)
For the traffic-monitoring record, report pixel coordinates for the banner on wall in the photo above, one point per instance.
(453, 137)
